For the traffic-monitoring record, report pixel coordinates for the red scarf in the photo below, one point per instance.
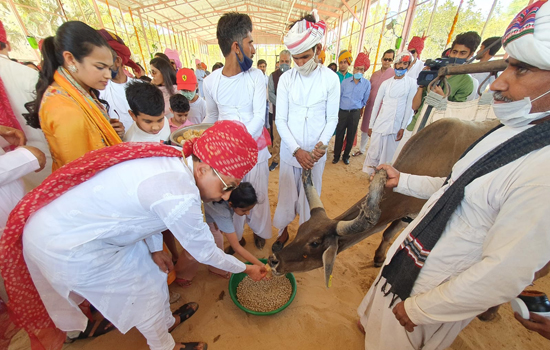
(7, 117)
(25, 307)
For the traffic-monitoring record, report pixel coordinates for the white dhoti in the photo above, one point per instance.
(383, 331)
(259, 218)
(292, 198)
(381, 151)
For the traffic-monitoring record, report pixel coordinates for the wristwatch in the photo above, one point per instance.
(296, 150)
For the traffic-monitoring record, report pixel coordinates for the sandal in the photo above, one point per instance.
(174, 297)
(358, 153)
(185, 312)
(194, 346)
(96, 328)
(226, 275)
(182, 282)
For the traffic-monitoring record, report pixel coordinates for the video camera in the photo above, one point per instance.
(426, 76)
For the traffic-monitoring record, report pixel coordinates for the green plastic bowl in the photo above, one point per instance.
(238, 277)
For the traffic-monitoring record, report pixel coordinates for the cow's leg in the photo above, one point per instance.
(389, 232)
(489, 315)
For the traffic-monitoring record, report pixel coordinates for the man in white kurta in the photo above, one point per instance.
(496, 240)
(390, 113)
(238, 92)
(416, 46)
(20, 82)
(308, 97)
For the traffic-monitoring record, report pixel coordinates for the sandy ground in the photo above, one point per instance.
(319, 318)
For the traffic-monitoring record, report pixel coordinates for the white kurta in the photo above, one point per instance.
(415, 70)
(491, 248)
(135, 134)
(390, 113)
(242, 98)
(197, 111)
(307, 113)
(90, 242)
(115, 95)
(13, 166)
(20, 82)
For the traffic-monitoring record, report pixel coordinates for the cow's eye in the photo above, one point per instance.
(314, 244)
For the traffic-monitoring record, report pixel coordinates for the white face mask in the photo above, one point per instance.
(517, 114)
(308, 67)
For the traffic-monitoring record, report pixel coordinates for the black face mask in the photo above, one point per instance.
(114, 74)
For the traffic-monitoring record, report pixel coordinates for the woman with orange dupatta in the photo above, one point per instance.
(76, 64)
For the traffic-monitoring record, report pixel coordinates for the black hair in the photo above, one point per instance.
(168, 73)
(489, 41)
(74, 36)
(3, 45)
(140, 67)
(29, 63)
(217, 65)
(232, 26)
(262, 61)
(179, 103)
(145, 98)
(243, 196)
(163, 56)
(469, 39)
(145, 78)
(333, 65)
(389, 51)
(14, 60)
(445, 54)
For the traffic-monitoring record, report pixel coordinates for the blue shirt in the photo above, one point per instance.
(342, 77)
(354, 96)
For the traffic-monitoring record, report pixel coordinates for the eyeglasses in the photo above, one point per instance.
(226, 187)
(388, 59)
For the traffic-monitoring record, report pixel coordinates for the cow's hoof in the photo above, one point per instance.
(488, 315)
(378, 263)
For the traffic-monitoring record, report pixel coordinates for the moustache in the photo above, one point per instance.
(498, 96)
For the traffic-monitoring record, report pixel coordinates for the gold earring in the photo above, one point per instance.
(73, 69)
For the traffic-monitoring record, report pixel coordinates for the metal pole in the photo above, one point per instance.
(380, 39)
(22, 25)
(137, 37)
(339, 34)
(488, 17)
(62, 9)
(96, 9)
(431, 19)
(151, 32)
(366, 8)
(144, 33)
(408, 23)
(124, 22)
(111, 16)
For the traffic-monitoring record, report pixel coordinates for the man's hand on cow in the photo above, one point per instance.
(399, 135)
(40, 156)
(369, 132)
(401, 315)
(318, 152)
(14, 137)
(305, 159)
(535, 323)
(255, 272)
(393, 175)
(438, 90)
(118, 126)
(163, 260)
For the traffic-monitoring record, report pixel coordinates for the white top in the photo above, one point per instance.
(241, 97)
(480, 77)
(135, 134)
(115, 95)
(415, 70)
(20, 82)
(13, 166)
(494, 242)
(99, 236)
(197, 111)
(474, 94)
(393, 105)
(307, 110)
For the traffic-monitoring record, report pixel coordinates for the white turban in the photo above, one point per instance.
(527, 39)
(304, 35)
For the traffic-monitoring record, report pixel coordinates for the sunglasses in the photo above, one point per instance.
(412, 51)
(226, 187)
(388, 59)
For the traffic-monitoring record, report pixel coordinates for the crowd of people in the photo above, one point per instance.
(110, 195)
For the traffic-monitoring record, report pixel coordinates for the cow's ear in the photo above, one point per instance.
(328, 260)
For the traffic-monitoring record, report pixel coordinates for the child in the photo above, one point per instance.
(179, 106)
(219, 216)
(147, 110)
(188, 85)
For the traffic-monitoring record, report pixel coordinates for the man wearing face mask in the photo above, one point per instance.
(307, 113)
(115, 92)
(237, 92)
(390, 113)
(483, 233)
(284, 65)
(354, 94)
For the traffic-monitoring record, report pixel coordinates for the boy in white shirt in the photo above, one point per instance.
(147, 110)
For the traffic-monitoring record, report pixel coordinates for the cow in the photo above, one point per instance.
(432, 152)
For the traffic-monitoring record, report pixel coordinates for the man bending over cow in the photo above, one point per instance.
(482, 235)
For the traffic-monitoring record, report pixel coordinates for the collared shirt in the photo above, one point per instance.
(354, 96)
(342, 77)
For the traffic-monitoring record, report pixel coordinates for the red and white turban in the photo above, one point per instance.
(527, 38)
(404, 56)
(227, 147)
(304, 35)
